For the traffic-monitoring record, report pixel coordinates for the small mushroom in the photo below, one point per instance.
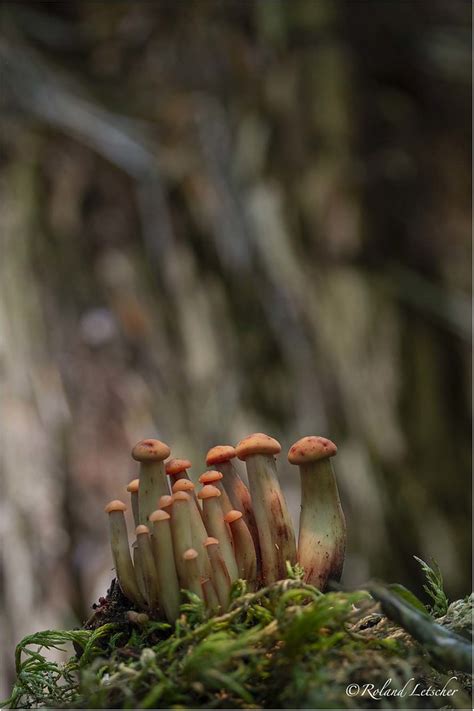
(177, 469)
(198, 529)
(215, 478)
(121, 552)
(322, 536)
(192, 575)
(165, 502)
(168, 583)
(147, 564)
(244, 550)
(132, 488)
(210, 595)
(275, 528)
(217, 527)
(151, 454)
(181, 531)
(220, 573)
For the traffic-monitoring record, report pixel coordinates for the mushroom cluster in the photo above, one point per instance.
(203, 541)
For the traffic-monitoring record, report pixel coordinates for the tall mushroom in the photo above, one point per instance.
(121, 552)
(217, 527)
(132, 489)
(322, 536)
(244, 549)
(147, 564)
(220, 573)
(151, 454)
(181, 531)
(275, 529)
(198, 529)
(168, 583)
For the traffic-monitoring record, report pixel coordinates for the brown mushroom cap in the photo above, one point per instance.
(115, 505)
(159, 515)
(141, 529)
(209, 492)
(183, 485)
(257, 443)
(209, 477)
(221, 453)
(150, 450)
(132, 487)
(311, 449)
(176, 466)
(190, 554)
(181, 496)
(232, 516)
(165, 501)
(210, 541)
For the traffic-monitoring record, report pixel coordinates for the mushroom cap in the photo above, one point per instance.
(115, 505)
(183, 485)
(210, 541)
(150, 450)
(257, 443)
(176, 466)
(209, 492)
(210, 476)
(219, 454)
(159, 515)
(190, 554)
(165, 501)
(232, 516)
(311, 449)
(181, 496)
(132, 487)
(141, 529)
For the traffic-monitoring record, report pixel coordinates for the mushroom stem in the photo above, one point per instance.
(322, 536)
(243, 547)
(153, 481)
(132, 488)
(162, 546)
(275, 529)
(220, 573)
(147, 565)
(198, 529)
(217, 527)
(210, 595)
(138, 569)
(192, 576)
(121, 553)
(181, 532)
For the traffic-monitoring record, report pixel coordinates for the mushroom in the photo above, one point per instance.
(322, 536)
(132, 488)
(181, 531)
(162, 545)
(177, 468)
(165, 502)
(153, 482)
(220, 573)
(216, 526)
(192, 576)
(243, 547)
(147, 565)
(210, 595)
(215, 477)
(275, 529)
(121, 552)
(198, 529)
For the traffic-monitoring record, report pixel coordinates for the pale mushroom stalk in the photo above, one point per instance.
(275, 529)
(181, 532)
(192, 575)
(121, 553)
(220, 574)
(217, 527)
(244, 549)
(138, 569)
(168, 583)
(176, 469)
(151, 454)
(147, 565)
(210, 595)
(322, 536)
(220, 458)
(132, 489)
(198, 529)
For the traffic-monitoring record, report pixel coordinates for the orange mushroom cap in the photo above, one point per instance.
(190, 554)
(183, 485)
(150, 450)
(159, 515)
(132, 487)
(209, 492)
(311, 449)
(141, 529)
(257, 443)
(232, 516)
(211, 476)
(115, 505)
(176, 466)
(165, 501)
(221, 453)
(210, 541)
(181, 496)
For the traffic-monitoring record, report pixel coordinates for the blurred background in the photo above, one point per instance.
(227, 217)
